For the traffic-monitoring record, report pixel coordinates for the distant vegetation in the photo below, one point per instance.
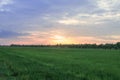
(94, 46)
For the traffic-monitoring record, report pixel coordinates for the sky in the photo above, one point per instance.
(59, 21)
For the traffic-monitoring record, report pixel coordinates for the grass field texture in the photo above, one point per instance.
(30, 63)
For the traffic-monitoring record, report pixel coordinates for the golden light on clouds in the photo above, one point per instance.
(72, 21)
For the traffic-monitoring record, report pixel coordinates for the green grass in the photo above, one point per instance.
(20, 63)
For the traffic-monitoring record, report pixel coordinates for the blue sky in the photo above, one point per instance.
(59, 21)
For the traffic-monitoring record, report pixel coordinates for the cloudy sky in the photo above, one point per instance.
(59, 21)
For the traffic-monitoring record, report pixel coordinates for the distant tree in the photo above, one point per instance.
(94, 46)
(118, 45)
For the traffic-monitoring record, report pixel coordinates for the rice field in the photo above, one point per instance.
(37, 63)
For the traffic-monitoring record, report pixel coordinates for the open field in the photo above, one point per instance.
(20, 63)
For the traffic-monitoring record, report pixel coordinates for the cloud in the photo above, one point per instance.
(86, 19)
(10, 34)
(4, 3)
(108, 4)
(110, 37)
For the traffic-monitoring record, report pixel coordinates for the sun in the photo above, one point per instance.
(59, 39)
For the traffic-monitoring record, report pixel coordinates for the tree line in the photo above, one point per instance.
(95, 46)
